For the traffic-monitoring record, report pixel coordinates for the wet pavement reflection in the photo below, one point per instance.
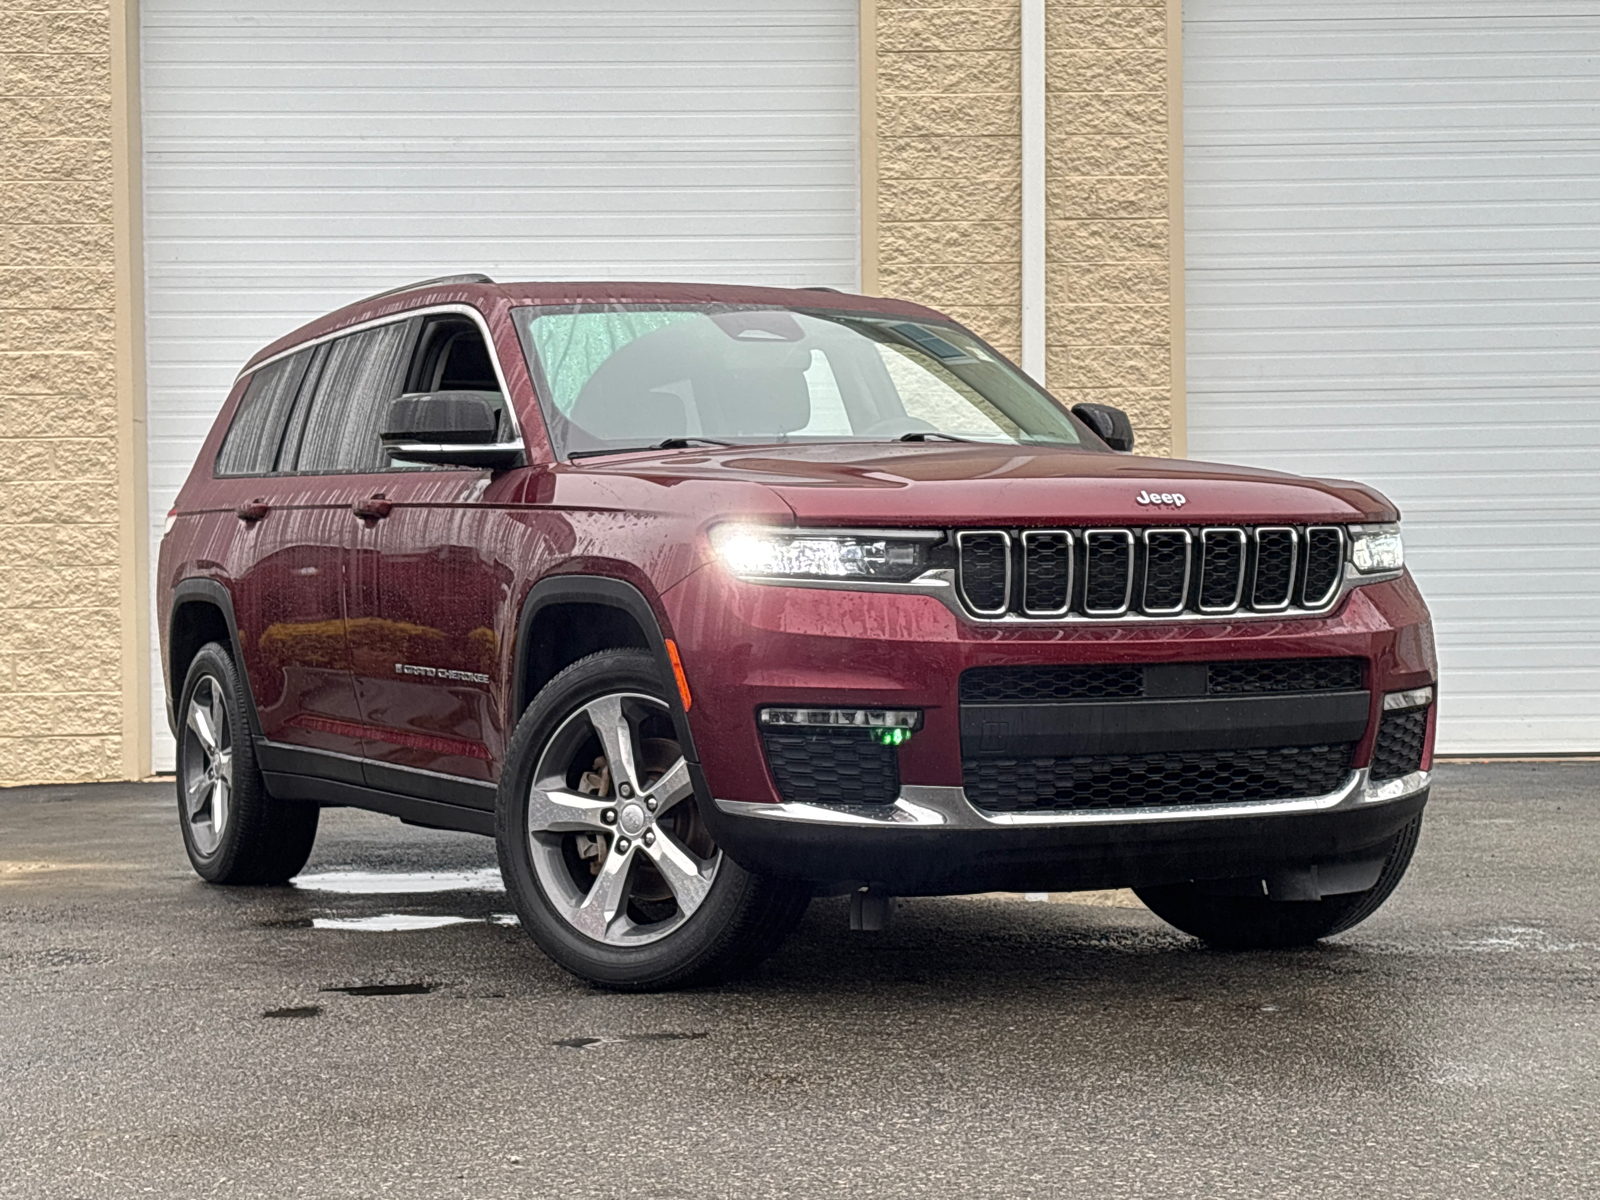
(384, 1025)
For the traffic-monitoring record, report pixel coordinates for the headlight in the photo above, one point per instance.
(757, 552)
(1376, 548)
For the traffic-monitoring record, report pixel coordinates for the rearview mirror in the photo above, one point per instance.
(1110, 424)
(456, 429)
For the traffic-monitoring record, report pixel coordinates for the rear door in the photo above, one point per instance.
(300, 613)
(287, 576)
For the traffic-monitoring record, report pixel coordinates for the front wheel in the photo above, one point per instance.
(603, 848)
(1259, 923)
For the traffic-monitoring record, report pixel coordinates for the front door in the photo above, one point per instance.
(429, 599)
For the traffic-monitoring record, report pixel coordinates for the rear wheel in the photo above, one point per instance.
(603, 848)
(1258, 923)
(233, 830)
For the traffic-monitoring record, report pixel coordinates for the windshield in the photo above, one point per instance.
(615, 377)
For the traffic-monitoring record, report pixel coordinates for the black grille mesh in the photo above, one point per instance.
(1166, 569)
(1324, 551)
(1107, 566)
(1114, 782)
(1256, 676)
(1042, 685)
(1274, 578)
(1049, 684)
(1048, 573)
(983, 570)
(844, 768)
(1222, 554)
(1399, 748)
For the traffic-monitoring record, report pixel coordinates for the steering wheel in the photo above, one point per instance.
(895, 426)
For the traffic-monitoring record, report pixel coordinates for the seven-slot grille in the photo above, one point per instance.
(1158, 571)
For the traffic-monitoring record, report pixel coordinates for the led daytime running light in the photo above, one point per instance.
(898, 723)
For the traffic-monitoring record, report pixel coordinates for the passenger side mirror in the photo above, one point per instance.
(455, 429)
(1111, 424)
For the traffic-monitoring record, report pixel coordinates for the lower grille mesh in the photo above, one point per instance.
(1400, 739)
(841, 768)
(1115, 782)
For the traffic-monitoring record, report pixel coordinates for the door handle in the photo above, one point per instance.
(373, 508)
(252, 511)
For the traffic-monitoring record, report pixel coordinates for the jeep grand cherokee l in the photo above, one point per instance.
(704, 600)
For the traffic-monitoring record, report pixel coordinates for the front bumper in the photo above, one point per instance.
(747, 646)
(935, 842)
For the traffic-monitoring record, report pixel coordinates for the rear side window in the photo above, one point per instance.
(338, 430)
(251, 445)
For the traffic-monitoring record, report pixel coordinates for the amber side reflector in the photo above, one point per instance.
(677, 673)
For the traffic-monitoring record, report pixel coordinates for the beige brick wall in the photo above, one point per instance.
(948, 201)
(61, 611)
(949, 132)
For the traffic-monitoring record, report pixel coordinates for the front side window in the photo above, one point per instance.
(252, 441)
(619, 377)
(360, 376)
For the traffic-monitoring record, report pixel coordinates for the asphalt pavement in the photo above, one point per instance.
(160, 1036)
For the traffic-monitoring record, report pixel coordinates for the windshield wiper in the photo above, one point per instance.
(922, 435)
(671, 443)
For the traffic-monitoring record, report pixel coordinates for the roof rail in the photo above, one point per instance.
(422, 283)
(817, 287)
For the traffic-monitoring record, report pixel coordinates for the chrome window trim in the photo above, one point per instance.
(1244, 569)
(1188, 569)
(922, 807)
(961, 583)
(1344, 554)
(465, 310)
(1294, 564)
(1072, 578)
(1127, 590)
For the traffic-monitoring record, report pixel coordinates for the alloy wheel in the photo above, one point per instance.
(616, 838)
(207, 765)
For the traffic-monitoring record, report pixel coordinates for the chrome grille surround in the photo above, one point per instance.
(1035, 544)
(1166, 610)
(1265, 536)
(1313, 534)
(972, 546)
(1115, 541)
(1236, 543)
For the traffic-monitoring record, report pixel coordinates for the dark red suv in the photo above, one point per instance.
(704, 600)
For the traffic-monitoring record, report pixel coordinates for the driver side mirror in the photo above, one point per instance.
(455, 429)
(1110, 424)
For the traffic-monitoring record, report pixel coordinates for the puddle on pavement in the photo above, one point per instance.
(590, 1043)
(292, 1014)
(390, 922)
(383, 989)
(400, 883)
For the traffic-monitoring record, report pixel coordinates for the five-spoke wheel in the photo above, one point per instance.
(605, 849)
(622, 855)
(206, 772)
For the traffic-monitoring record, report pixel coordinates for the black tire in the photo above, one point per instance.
(1258, 923)
(262, 840)
(741, 919)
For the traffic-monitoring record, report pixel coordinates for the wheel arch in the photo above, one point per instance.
(566, 617)
(202, 611)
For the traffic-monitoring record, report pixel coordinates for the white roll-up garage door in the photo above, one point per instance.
(1393, 247)
(297, 157)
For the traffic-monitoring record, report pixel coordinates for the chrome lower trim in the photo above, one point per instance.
(924, 807)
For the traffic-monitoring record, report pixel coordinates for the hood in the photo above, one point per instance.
(932, 484)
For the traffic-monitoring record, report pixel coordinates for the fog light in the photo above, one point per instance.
(888, 726)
